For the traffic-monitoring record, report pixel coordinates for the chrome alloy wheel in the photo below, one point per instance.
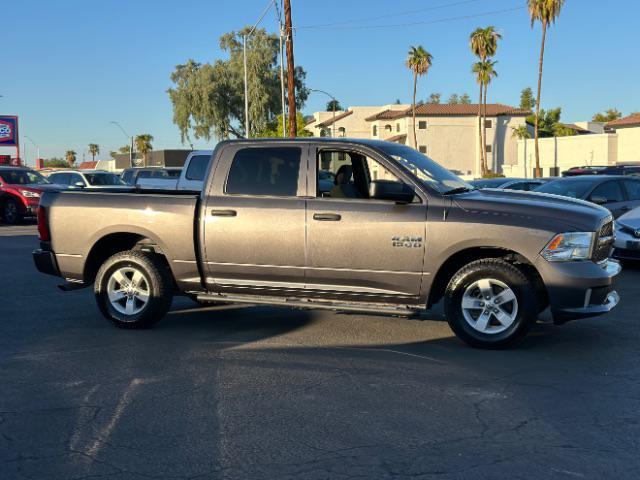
(128, 290)
(489, 306)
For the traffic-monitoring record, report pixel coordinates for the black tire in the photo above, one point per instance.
(156, 278)
(11, 212)
(526, 303)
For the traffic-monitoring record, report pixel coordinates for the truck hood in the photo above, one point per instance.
(563, 212)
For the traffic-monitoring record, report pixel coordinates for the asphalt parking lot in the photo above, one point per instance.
(264, 393)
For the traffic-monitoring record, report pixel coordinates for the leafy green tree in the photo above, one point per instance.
(124, 149)
(208, 99)
(274, 127)
(465, 99)
(435, 98)
(545, 12)
(418, 61)
(144, 146)
(527, 102)
(608, 116)
(521, 132)
(55, 162)
(333, 105)
(70, 157)
(94, 149)
(483, 43)
(453, 99)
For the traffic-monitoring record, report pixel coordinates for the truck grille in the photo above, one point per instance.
(604, 242)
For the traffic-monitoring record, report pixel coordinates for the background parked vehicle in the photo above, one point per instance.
(630, 169)
(89, 179)
(619, 194)
(627, 243)
(526, 184)
(20, 189)
(191, 175)
(130, 176)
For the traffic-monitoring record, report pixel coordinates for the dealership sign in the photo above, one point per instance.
(8, 131)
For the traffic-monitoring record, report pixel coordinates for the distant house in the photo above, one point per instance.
(448, 133)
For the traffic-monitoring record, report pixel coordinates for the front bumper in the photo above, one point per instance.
(45, 262)
(580, 289)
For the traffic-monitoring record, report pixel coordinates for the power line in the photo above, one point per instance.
(391, 15)
(410, 24)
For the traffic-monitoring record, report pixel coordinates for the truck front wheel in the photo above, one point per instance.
(133, 289)
(490, 303)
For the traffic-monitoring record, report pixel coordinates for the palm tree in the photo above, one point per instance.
(419, 61)
(490, 74)
(70, 157)
(546, 12)
(521, 132)
(143, 145)
(483, 43)
(484, 74)
(94, 149)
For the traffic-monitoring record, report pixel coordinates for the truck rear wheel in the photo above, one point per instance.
(490, 304)
(133, 289)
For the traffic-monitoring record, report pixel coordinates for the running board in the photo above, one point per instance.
(372, 308)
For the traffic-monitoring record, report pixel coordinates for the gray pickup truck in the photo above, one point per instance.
(395, 234)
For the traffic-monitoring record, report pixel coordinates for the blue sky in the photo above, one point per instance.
(71, 66)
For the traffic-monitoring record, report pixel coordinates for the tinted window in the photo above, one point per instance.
(519, 186)
(59, 178)
(76, 178)
(127, 177)
(264, 171)
(103, 179)
(22, 177)
(574, 188)
(633, 189)
(197, 167)
(609, 190)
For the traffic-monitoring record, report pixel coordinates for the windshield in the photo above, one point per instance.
(103, 179)
(426, 170)
(567, 188)
(22, 177)
(489, 182)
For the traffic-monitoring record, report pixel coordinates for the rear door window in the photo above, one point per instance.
(264, 171)
(197, 167)
(612, 191)
(633, 189)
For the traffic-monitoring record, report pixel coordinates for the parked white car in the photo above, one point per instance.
(87, 179)
(627, 243)
(191, 177)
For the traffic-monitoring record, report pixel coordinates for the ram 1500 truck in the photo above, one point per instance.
(395, 234)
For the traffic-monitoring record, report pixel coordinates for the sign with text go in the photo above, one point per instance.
(8, 131)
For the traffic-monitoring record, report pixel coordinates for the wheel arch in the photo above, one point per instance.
(459, 259)
(116, 242)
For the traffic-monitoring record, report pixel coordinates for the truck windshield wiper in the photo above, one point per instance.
(458, 190)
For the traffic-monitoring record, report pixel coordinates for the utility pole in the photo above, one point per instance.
(290, 69)
(281, 53)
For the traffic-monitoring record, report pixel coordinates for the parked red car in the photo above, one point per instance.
(20, 189)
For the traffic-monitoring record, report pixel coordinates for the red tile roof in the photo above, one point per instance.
(632, 120)
(87, 165)
(386, 115)
(329, 121)
(462, 109)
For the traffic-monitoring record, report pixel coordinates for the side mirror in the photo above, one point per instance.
(79, 184)
(599, 200)
(389, 190)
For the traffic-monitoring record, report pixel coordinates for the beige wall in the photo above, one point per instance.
(565, 152)
(628, 144)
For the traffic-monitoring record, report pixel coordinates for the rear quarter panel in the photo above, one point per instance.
(78, 220)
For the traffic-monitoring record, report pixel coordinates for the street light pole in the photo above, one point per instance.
(35, 145)
(245, 37)
(128, 137)
(333, 128)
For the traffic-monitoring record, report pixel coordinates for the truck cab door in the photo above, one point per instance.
(253, 219)
(359, 246)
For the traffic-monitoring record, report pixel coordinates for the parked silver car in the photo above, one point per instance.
(87, 179)
(627, 243)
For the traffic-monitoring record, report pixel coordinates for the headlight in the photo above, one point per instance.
(29, 194)
(566, 247)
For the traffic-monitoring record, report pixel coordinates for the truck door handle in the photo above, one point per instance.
(327, 217)
(223, 213)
